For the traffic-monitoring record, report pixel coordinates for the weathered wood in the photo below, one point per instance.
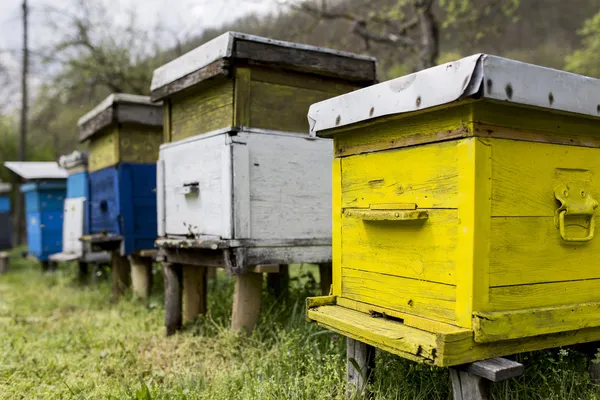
(466, 386)
(360, 368)
(141, 276)
(266, 269)
(194, 291)
(120, 274)
(495, 369)
(211, 273)
(246, 302)
(83, 272)
(278, 283)
(173, 297)
(325, 278)
(4, 262)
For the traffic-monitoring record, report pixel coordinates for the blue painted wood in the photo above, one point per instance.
(77, 185)
(5, 231)
(44, 212)
(123, 201)
(4, 204)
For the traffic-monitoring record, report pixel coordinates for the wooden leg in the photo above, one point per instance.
(173, 292)
(83, 272)
(45, 266)
(360, 367)
(474, 381)
(279, 283)
(246, 302)
(4, 263)
(194, 291)
(325, 273)
(211, 274)
(141, 276)
(120, 274)
(591, 349)
(466, 386)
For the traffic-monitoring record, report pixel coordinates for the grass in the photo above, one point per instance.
(59, 340)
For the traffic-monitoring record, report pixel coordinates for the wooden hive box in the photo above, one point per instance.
(5, 216)
(240, 167)
(464, 207)
(44, 191)
(124, 133)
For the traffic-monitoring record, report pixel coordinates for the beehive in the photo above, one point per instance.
(464, 206)
(124, 133)
(44, 191)
(5, 217)
(240, 164)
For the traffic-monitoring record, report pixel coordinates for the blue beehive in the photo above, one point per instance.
(124, 134)
(5, 218)
(44, 193)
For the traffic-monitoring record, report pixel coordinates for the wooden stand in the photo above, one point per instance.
(141, 275)
(120, 274)
(83, 272)
(325, 278)
(360, 365)
(278, 283)
(4, 263)
(246, 302)
(474, 381)
(194, 291)
(173, 296)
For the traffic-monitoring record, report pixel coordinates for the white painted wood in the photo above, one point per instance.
(160, 197)
(241, 194)
(197, 186)
(288, 255)
(290, 185)
(74, 214)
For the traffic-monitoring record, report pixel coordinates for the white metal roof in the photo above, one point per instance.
(222, 47)
(5, 187)
(114, 99)
(36, 170)
(480, 75)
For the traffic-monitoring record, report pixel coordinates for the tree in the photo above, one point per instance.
(411, 27)
(586, 60)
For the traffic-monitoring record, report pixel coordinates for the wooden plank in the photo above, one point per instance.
(425, 175)
(360, 368)
(411, 296)
(506, 325)
(466, 386)
(246, 302)
(448, 122)
(303, 81)
(139, 143)
(525, 174)
(531, 250)
(242, 97)
(472, 259)
(173, 297)
(104, 150)
(495, 369)
(194, 292)
(507, 298)
(101, 121)
(336, 233)
(205, 109)
(141, 276)
(282, 107)
(242, 168)
(424, 250)
(315, 62)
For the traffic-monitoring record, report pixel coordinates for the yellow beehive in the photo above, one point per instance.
(123, 128)
(464, 202)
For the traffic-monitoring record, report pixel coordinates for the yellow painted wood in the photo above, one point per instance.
(498, 326)
(425, 175)
(138, 143)
(423, 250)
(507, 298)
(304, 81)
(319, 301)
(104, 150)
(242, 97)
(472, 256)
(208, 108)
(411, 296)
(336, 226)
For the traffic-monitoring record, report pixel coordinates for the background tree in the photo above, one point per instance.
(586, 60)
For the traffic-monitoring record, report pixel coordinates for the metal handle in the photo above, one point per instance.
(387, 215)
(192, 188)
(563, 234)
(575, 201)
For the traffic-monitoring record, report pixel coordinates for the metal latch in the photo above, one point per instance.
(189, 188)
(575, 201)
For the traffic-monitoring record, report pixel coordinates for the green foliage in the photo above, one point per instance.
(586, 60)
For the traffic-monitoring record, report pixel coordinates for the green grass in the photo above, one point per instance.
(59, 340)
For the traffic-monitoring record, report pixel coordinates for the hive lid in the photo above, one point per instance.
(214, 57)
(477, 76)
(5, 187)
(75, 159)
(120, 108)
(36, 170)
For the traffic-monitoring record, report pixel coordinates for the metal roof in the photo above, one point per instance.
(5, 187)
(222, 47)
(74, 159)
(36, 170)
(480, 76)
(115, 98)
